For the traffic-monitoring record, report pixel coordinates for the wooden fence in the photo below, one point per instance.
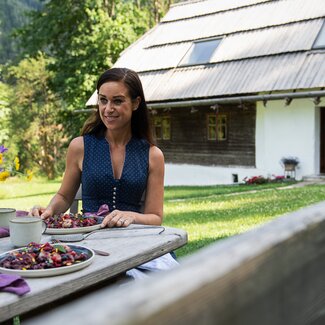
(274, 274)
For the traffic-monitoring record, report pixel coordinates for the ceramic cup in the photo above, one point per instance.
(24, 230)
(5, 215)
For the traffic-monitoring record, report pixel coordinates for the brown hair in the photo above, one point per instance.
(140, 122)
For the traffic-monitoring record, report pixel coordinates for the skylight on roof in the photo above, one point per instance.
(200, 52)
(320, 39)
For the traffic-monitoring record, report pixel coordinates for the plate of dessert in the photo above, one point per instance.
(69, 223)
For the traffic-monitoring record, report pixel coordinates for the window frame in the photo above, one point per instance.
(191, 49)
(161, 136)
(218, 116)
(321, 32)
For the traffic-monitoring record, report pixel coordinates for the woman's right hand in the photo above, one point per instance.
(38, 211)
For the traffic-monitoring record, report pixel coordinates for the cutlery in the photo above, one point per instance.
(97, 251)
(81, 237)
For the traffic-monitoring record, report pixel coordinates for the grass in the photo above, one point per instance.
(187, 192)
(207, 213)
(211, 218)
(22, 195)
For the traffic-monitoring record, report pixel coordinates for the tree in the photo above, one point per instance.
(5, 95)
(12, 15)
(157, 9)
(84, 38)
(34, 110)
(78, 41)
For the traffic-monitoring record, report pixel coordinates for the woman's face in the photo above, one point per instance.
(115, 105)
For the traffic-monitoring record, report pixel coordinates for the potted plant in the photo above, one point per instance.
(289, 163)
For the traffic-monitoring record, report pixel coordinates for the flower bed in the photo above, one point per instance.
(263, 180)
(7, 169)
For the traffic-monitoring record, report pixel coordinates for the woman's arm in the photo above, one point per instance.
(63, 199)
(153, 206)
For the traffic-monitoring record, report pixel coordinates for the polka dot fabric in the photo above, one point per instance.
(98, 183)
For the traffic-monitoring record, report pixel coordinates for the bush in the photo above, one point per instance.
(263, 180)
(256, 180)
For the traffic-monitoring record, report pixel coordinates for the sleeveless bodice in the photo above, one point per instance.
(98, 183)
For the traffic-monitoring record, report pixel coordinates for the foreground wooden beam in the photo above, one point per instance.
(274, 274)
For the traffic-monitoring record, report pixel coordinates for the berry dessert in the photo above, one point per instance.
(70, 221)
(42, 256)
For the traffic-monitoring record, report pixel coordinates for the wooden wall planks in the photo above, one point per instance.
(189, 142)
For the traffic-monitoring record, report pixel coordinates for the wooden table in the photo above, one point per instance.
(270, 275)
(127, 248)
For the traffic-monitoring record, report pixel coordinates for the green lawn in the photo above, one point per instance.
(22, 195)
(207, 213)
(208, 219)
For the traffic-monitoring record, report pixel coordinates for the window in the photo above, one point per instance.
(217, 126)
(320, 39)
(162, 127)
(200, 52)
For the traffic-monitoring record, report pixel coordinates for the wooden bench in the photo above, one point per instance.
(274, 274)
(74, 208)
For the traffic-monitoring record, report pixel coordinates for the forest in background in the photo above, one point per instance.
(13, 15)
(51, 54)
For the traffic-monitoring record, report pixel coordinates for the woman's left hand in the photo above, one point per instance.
(118, 218)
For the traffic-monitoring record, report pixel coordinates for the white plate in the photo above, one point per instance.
(77, 230)
(54, 271)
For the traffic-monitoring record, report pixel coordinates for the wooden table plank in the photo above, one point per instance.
(127, 249)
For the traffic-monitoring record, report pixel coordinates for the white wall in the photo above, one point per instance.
(280, 131)
(184, 174)
(287, 131)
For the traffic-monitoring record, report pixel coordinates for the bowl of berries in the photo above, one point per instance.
(41, 260)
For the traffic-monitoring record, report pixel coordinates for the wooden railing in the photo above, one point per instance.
(274, 274)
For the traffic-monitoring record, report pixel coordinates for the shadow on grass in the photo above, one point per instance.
(192, 192)
(203, 216)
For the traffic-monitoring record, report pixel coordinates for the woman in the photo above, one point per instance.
(115, 159)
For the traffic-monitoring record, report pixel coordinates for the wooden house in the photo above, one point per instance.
(234, 86)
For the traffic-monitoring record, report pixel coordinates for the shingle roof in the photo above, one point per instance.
(266, 46)
(251, 44)
(269, 73)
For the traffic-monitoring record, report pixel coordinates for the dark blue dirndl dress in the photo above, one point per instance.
(98, 183)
